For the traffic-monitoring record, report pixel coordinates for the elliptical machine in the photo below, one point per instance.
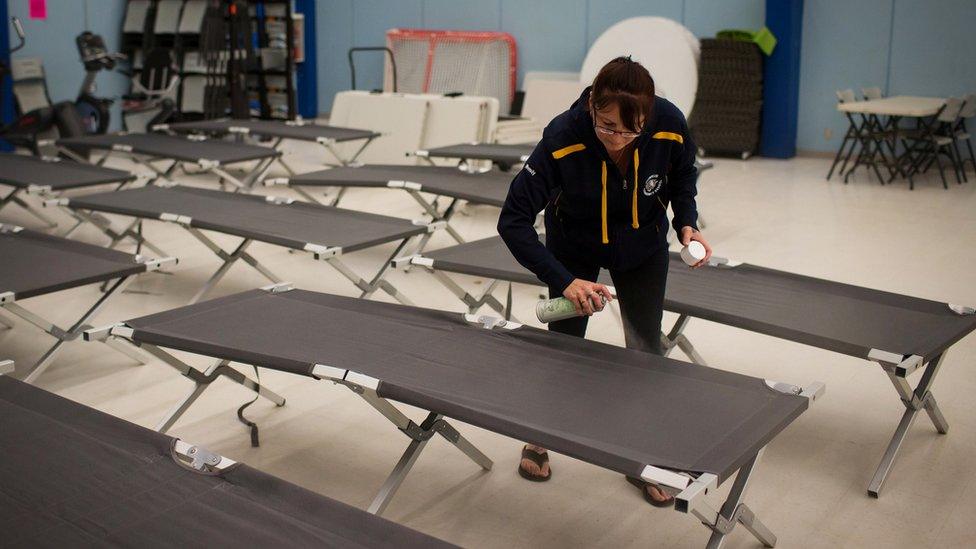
(94, 111)
(38, 123)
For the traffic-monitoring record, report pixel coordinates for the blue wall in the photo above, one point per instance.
(905, 47)
(53, 40)
(551, 34)
(914, 47)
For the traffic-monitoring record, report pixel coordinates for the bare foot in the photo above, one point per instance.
(653, 494)
(657, 494)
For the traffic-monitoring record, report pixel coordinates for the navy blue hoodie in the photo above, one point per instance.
(593, 213)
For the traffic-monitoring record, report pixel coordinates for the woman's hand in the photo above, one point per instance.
(588, 297)
(689, 234)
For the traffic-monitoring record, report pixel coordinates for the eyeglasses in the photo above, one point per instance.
(608, 131)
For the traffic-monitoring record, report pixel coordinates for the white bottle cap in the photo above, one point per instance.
(693, 253)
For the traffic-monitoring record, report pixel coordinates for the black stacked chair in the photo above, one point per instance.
(728, 106)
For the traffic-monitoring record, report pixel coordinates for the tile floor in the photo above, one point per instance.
(810, 485)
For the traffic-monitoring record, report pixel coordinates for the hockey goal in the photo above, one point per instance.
(447, 61)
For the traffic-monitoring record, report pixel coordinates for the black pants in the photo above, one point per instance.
(640, 294)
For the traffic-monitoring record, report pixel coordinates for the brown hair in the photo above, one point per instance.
(627, 84)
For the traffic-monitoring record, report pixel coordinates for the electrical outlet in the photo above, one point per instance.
(828, 134)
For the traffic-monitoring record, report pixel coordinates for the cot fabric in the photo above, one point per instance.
(73, 476)
(274, 128)
(496, 152)
(172, 147)
(488, 188)
(830, 315)
(33, 263)
(292, 225)
(588, 400)
(26, 171)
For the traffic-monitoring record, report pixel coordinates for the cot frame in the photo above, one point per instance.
(412, 188)
(215, 167)
(897, 367)
(9, 302)
(46, 192)
(688, 488)
(329, 254)
(328, 143)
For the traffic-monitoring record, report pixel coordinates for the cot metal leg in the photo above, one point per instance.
(420, 435)
(229, 260)
(306, 195)
(130, 351)
(915, 401)
(63, 336)
(475, 302)
(368, 288)
(352, 159)
(202, 380)
(338, 197)
(437, 216)
(13, 198)
(157, 173)
(74, 156)
(677, 338)
(288, 169)
(281, 156)
(228, 178)
(259, 172)
(396, 477)
(183, 405)
(105, 225)
(734, 511)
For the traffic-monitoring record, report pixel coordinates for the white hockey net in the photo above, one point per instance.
(443, 61)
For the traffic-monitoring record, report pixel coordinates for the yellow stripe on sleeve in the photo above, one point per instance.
(568, 150)
(669, 135)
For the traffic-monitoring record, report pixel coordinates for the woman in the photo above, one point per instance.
(605, 172)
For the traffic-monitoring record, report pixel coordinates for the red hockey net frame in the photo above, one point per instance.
(435, 38)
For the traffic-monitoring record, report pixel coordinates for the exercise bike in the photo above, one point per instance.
(151, 100)
(94, 111)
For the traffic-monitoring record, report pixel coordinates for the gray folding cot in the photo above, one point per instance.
(76, 477)
(209, 155)
(902, 334)
(584, 399)
(34, 264)
(48, 177)
(487, 188)
(503, 155)
(323, 231)
(280, 130)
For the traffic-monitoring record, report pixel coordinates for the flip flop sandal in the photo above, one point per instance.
(539, 460)
(643, 484)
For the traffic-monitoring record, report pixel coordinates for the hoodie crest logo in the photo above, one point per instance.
(652, 184)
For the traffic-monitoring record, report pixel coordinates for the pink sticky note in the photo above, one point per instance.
(38, 9)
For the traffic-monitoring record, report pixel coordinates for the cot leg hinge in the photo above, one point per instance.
(430, 427)
(278, 288)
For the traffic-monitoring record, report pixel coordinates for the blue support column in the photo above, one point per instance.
(308, 81)
(781, 79)
(6, 96)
